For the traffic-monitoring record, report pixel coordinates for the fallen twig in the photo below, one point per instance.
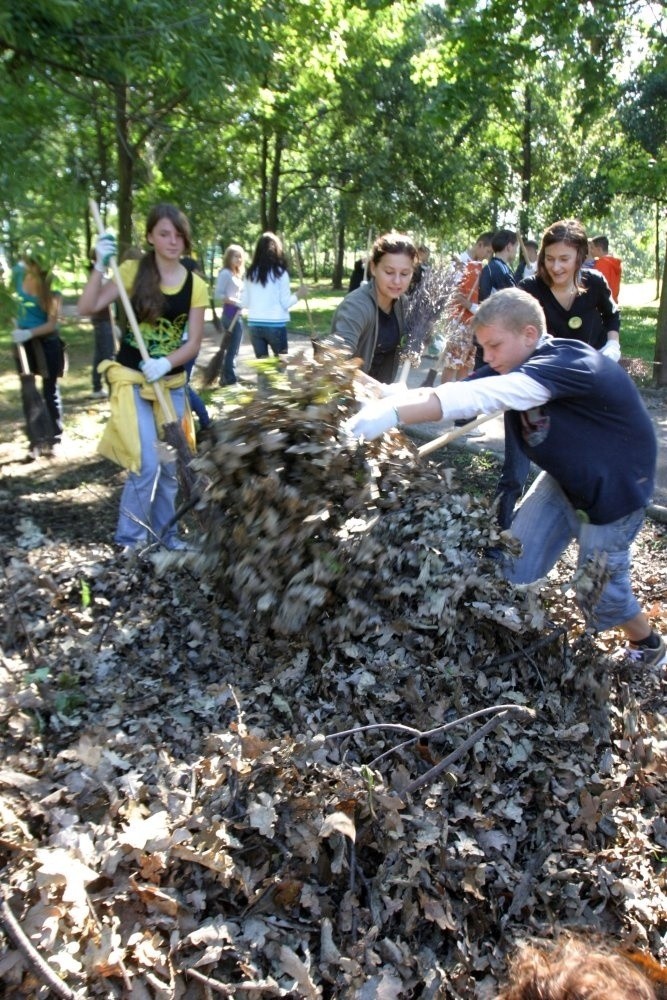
(212, 984)
(39, 965)
(533, 648)
(419, 734)
(433, 772)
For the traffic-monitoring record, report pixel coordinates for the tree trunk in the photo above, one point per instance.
(339, 263)
(274, 185)
(526, 162)
(263, 181)
(660, 357)
(313, 250)
(657, 250)
(125, 155)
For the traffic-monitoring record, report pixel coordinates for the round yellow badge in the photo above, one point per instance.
(574, 322)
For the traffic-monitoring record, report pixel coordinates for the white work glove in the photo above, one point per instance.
(105, 249)
(372, 420)
(21, 336)
(612, 349)
(391, 388)
(155, 368)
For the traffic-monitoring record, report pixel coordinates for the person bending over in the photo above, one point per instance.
(579, 417)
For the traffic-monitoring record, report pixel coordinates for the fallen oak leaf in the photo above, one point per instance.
(58, 866)
(293, 966)
(141, 831)
(162, 900)
(338, 822)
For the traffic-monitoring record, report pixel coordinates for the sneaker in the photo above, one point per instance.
(177, 545)
(644, 656)
(476, 432)
(99, 394)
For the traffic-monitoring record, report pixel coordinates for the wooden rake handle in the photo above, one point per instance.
(160, 394)
(456, 432)
(23, 359)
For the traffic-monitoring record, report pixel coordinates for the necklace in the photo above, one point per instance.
(566, 297)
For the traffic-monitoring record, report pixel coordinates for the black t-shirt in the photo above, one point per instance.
(163, 336)
(592, 314)
(388, 332)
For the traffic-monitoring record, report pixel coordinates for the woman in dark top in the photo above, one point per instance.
(370, 323)
(578, 304)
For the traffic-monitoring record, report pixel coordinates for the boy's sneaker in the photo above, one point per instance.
(99, 394)
(644, 656)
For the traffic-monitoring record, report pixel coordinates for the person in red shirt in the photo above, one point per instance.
(608, 265)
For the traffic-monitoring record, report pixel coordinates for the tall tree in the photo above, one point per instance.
(644, 117)
(150, 63)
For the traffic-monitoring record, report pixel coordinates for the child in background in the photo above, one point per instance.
(37, 329)
(228, 293)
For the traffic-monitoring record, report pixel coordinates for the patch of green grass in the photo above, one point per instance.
(638, 332)
(318, 311)
(74, 388)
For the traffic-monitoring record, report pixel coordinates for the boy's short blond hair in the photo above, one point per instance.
(511, 308)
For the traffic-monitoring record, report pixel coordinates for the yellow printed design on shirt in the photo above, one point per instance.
(162, 337)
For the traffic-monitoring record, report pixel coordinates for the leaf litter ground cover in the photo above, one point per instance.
(256, 770)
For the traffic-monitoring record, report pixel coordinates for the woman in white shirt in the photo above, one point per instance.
(228, 292)
(267, 297)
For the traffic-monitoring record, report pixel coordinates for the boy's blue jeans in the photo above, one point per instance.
(546, 523)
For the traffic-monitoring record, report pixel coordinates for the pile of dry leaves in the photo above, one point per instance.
(329, 753)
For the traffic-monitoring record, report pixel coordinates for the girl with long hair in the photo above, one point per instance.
(267, 297)
(577, 301)
(37, 329)
(228, 292)
(167, 299)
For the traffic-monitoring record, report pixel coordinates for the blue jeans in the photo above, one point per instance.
(228, 374)
(264, 337)
(148, 501)
(197, 404)
(546, 523)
